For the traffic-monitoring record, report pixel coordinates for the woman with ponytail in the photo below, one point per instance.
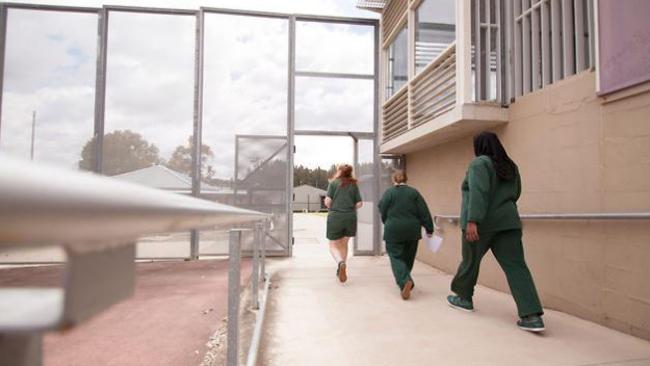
(490, 220)
(343, 199)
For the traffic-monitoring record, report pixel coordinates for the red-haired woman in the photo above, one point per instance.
(343, 199)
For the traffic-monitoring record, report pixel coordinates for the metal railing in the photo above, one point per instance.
(454, 219)
(433, 90)
(426, 96)
(395, 115)
(97, 221)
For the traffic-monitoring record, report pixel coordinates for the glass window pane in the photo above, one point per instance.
(327, 104)
(149, 92)
(245, 121)
(397, 63)
(149, 110)
(435, 30)
(50, 75)
(336, 48)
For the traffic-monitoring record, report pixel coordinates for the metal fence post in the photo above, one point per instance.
(233, 297)
(255, 280)
(267, 224)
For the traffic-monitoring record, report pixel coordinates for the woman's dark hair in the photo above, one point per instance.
(344, 173)
(488, 144)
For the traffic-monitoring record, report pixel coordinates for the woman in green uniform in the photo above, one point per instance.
(343, 199)
(403, 212)
(490, 220)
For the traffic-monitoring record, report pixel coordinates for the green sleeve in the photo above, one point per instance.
(384, 202)
(357, 194)
(424, 214)
(331, 188)
(479, 187)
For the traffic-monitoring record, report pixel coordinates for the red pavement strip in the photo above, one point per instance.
(162, 324)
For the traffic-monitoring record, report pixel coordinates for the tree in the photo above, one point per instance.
(122, 151)
(318, 177)
(181, 160)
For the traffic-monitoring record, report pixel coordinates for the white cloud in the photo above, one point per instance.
(150, 80)
(320, 151)
(50, 69)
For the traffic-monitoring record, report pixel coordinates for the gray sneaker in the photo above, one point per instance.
(531, 323)
(459, 303)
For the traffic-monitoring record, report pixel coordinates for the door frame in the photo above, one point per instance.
(355, 136)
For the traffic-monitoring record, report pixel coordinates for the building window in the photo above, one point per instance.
(553, 40)
(435, 30)
(397, 63)
(487, 46)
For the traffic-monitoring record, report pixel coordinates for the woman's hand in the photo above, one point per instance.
(328, 202)
(471, 232)
(358, 205)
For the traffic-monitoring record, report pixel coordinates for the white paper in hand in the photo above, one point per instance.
(433, 243)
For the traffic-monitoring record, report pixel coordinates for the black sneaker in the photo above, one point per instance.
(459, 303)
(531, 323)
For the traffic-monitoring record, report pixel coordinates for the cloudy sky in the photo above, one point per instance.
(50, 69)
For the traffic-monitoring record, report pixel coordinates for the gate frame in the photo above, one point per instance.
(103, 15)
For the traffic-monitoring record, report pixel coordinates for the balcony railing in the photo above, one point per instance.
(428, 95)
(395, 113)
(433, 91)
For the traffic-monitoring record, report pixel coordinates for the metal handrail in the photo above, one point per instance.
(567, 216)
(97, 221)
(43, 205)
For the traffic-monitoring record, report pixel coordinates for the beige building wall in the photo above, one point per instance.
(576, 154)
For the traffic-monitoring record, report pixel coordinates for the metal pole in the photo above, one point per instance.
(3, 36)
(355, 164)
(100, 86)
(255, 280)
(235, 199)
(31, 150)
(376, 142)
(198, 123)
(291, 99)
(263, 247)
(233, 297)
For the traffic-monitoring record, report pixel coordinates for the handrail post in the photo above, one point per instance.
(233, 297)
(255, 280)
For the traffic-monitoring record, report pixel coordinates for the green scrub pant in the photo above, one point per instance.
(508, 250)
(402, 257)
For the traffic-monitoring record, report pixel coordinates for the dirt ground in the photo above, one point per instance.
(176, 308)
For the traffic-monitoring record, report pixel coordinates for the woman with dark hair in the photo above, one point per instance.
(490, 220)
(343, 199)
(403, 212)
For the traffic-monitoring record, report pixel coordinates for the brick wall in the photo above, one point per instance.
(576, 154)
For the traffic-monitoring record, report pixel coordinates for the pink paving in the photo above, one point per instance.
(177, 306)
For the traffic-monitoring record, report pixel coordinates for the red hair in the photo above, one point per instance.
(344, 173)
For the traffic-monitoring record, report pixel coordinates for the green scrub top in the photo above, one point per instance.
(344, 198)
(404, 212)
(487, 200)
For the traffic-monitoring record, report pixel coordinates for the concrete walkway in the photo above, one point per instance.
(314, 320)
